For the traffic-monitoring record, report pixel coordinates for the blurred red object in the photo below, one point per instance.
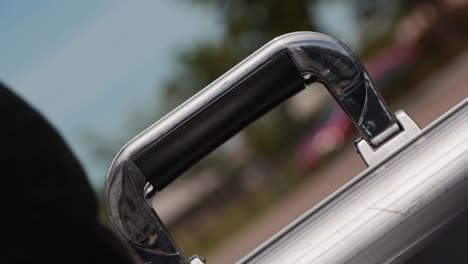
(329, 136)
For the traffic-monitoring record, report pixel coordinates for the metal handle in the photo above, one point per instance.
(271, 75)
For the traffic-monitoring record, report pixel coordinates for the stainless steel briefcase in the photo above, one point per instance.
(416, 183)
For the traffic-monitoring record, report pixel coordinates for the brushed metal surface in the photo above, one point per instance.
(385, 214)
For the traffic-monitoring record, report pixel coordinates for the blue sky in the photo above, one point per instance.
(86, 65)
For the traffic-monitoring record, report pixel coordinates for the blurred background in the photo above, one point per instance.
(102, 71)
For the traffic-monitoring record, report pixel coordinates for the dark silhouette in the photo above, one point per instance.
(48, 210)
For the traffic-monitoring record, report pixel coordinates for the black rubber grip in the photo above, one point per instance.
(222, 118)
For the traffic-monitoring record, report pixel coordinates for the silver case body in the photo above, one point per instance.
(388, 212)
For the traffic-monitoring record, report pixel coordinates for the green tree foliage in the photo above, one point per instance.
(248, 25)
